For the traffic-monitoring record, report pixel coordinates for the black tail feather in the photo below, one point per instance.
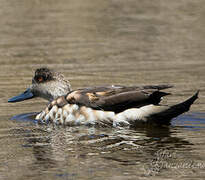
(184, 106)
(175, 110)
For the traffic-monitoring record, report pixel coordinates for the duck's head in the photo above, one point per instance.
(46, 84)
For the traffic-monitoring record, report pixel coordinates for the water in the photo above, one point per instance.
(94, 43)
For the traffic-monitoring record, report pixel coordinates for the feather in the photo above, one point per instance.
(117, 98)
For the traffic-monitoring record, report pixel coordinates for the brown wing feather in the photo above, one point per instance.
(117, 98)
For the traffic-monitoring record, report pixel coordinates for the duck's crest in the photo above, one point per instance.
(43, 74)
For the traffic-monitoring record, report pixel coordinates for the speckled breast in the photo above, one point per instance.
(60, 111)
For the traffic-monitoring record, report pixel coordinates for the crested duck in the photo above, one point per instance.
(114, 105)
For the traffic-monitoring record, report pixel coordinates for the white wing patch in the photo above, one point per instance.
(133, 115)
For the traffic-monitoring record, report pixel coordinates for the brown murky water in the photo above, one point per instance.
(93, 43)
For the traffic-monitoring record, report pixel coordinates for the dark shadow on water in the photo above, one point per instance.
(191, 121)
(25, 117)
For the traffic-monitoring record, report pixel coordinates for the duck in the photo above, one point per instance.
(104, 106)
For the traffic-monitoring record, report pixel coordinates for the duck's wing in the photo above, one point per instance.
(117, 98)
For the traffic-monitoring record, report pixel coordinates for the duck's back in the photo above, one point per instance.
(116, 98)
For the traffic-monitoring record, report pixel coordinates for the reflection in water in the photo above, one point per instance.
(25, 117)
(63, 147)
(191, 121)
(75, 151)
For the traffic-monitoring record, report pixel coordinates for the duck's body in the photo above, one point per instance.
(101, 106)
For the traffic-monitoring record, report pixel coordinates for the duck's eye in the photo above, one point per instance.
(40, 79)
